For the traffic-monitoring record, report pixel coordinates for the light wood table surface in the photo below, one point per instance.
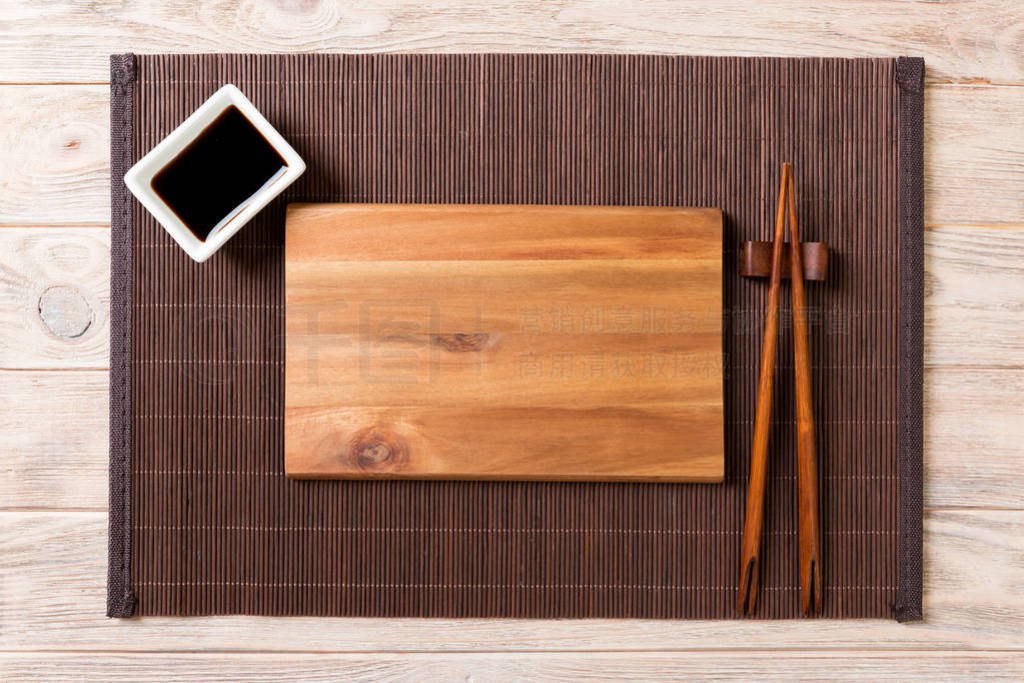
(54, 296)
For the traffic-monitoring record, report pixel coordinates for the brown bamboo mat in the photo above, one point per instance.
(203, 520)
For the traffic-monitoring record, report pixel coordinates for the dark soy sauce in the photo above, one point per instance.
(218, 172)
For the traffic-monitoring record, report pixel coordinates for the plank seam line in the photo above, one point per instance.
(812, 652)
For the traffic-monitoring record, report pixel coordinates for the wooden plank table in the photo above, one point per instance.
(54, 251)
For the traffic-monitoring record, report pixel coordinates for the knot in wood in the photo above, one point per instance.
(462, 342)
(377, 449)
(65, 312)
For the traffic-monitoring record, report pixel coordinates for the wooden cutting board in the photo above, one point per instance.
(503, 342)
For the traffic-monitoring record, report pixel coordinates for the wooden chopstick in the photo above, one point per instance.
(807, 463)
(749, 577)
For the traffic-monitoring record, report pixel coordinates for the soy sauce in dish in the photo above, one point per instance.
(210, 180)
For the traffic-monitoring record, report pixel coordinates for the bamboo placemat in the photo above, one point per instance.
(203, 520)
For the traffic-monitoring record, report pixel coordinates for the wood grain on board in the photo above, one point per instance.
(54, 155)
(637, 666)
(54, 427)
(53, 577)
(973, 295)
(56, 291)
(504, 342)
(54, 298)
(61, 465)
(64, 40)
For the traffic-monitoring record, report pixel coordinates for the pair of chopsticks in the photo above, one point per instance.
(807, 467)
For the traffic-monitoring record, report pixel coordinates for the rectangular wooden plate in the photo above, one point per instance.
(503, 342)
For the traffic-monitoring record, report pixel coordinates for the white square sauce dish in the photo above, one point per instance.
(214, 173)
